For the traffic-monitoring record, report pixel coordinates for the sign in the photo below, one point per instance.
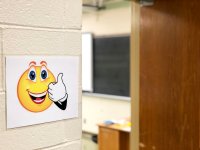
(41, 89)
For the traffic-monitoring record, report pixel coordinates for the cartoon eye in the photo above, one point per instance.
(44, 73)
(32, 74)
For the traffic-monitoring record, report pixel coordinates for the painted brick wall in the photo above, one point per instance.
(39, 27)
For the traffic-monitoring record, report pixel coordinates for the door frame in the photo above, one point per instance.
(134, 67)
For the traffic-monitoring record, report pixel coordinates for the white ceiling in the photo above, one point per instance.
(99, 2)
(102, 4)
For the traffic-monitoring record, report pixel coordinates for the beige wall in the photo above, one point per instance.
(116, 21)
(98, 109)
(37, 27)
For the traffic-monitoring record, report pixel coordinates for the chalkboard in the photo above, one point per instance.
(111, 60)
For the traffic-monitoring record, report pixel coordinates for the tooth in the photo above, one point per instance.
(38, 95)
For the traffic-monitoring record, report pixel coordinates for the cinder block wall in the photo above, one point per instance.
(39, 27)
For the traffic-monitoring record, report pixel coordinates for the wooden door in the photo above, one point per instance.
(170, 75)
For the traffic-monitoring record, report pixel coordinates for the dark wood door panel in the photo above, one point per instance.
(170, 75)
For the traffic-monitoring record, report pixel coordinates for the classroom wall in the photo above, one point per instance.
(115, 21)
(37, 27)
(98, 109)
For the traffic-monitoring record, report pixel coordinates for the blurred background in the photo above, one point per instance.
(106, 29)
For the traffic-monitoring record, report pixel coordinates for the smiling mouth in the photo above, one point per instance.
(38, 98)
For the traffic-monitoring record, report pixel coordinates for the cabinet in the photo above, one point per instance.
(113, 137)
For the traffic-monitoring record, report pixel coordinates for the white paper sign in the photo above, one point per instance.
(41, 89)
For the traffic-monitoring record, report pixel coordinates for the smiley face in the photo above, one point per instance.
(33, 85)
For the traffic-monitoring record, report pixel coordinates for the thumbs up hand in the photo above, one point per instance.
(57, 90)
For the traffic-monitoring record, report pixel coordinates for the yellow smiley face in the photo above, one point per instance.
(32, 87)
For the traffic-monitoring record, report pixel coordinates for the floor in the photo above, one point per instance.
(87, 143)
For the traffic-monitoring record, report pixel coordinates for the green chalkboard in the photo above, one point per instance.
(111, 62)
